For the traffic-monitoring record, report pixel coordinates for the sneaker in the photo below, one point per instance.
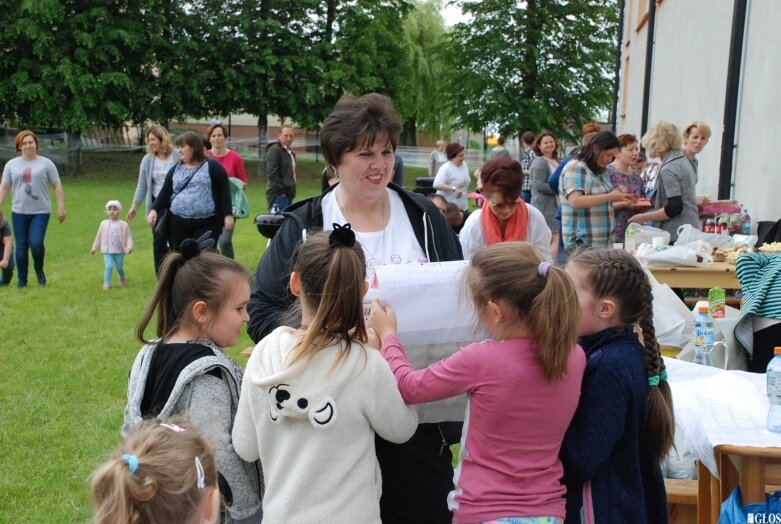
(106, 287)
(122, 282)
(20, 284)
(41, 278)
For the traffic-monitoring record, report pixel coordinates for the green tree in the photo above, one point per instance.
(275, 60)
(357, 47)
(73, 64)
(423, 97)
(539, 64)
(195, 46)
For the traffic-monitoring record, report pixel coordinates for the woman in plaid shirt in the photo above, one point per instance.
(587, 194)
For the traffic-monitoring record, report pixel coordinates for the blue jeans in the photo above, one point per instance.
(29, 232)
(7, 274)
(111, 261)
(526, 196)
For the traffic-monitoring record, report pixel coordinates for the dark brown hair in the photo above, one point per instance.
(213, 127)
(21, 136)
(626, 139)
(536, 146)
(183, 282)
(503, 175)
(590, 152)
(527, 137)
(452, 150)
(195, 142)
(332, 278)
(164, 486)
(546, 305)
(617, 275)
(359, 121)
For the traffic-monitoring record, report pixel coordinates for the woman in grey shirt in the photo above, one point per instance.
(159, 159)
(675, 202)
(543, 198)
(29, 177)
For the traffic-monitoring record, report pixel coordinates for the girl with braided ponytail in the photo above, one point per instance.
(624, 424)
(315, 394)
(522, 384)
(201, 305)
(163, 472)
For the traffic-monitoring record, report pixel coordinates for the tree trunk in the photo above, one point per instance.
(409, 134)
(262, 143)
(73, 162)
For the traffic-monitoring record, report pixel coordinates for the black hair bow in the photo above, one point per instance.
(342, 236)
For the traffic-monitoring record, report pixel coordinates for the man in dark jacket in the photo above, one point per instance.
(281, 170)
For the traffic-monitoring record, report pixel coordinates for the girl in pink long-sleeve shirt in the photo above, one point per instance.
(523, 386)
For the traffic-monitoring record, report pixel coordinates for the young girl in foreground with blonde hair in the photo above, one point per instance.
(163, 472)
(523, 386)
(624, 424)
(313, 396)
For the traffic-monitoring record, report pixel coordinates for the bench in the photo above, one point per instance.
(681, 500)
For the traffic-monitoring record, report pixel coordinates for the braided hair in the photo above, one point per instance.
(615, 274)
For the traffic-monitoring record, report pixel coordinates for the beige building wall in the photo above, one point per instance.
(689, 80)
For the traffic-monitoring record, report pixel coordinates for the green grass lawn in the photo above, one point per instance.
(67, 348)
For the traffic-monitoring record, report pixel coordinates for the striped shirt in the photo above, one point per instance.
(760, 277)
(592, 226)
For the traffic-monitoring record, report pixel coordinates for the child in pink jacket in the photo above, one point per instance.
(115, 240)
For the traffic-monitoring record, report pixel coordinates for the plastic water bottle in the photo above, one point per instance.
(774, 392)
(703, 338)
(745, 227)
(275, 210)
(630, 240)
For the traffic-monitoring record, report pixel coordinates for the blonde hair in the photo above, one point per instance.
(161, 133)
(153, 476)
(702, 127)
(661, 139)
(332, 277)
(546, 305)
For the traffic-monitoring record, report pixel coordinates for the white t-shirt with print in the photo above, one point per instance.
(396, 244)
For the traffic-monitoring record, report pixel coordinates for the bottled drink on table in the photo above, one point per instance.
(735, 223)
(721, 225)
(745, 228)
(703, 337)
(774, 392)
(630, 240)
(710, 226)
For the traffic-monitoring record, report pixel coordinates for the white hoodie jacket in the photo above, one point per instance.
(313, 429)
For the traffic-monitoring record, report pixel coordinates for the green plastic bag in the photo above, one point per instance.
(239, 200)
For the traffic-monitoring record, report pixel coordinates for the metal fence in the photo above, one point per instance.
(130, 138)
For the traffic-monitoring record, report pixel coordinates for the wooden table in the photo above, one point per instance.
(719, 274)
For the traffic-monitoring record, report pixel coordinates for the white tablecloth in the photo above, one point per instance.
(715, 407)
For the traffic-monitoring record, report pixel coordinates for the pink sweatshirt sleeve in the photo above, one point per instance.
(447, 378)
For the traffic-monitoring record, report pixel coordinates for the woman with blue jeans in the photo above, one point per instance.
(29, 177)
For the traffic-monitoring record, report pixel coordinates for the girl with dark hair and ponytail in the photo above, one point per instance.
(315, 395)
(201, 306)
(522, 384)
(624, 424)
